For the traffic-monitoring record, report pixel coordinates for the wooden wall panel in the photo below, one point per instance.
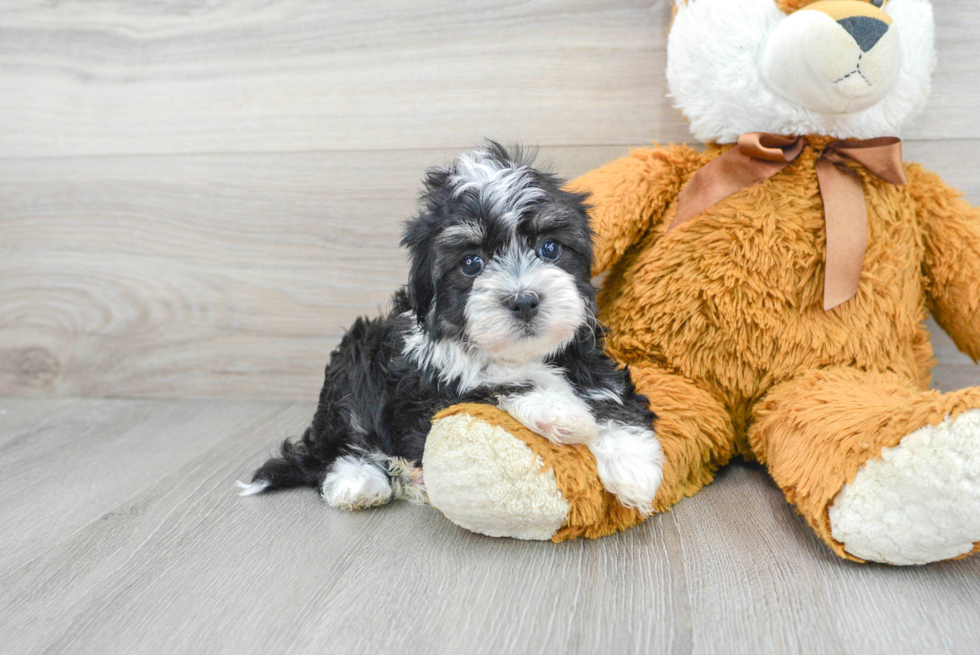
(196, 198)
(117, 77)
(221, 275)
(121, 77)
(224, 275)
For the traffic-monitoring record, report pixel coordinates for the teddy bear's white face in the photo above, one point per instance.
(841, 68)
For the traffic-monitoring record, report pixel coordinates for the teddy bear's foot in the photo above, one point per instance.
(486, 480)
(918, 503)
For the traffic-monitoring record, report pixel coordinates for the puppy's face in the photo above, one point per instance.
(501, 257)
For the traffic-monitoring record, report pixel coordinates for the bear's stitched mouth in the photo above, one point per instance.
(856, 71)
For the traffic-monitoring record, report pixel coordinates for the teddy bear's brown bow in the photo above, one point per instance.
(758, 156)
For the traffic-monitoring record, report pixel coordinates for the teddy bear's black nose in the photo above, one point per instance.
(866, 31)
(524, 305)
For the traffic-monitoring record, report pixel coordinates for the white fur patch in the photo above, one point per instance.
(471, 368)
(487, 481)
(554, 412)
(811, 59)
(715, 74)
(630, 463)
(918, 503)
(356, 483)
(470, 233)
(604, 394)
(453, 360)
(506, 188)
(491, 327)
(549, 407)
(247, 489)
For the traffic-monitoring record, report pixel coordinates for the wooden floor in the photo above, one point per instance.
(121, 533)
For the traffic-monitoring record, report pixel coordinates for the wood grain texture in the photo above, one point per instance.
(180, 564)
(227, 275)
(234, 76)
(116, 77)
(70, 465)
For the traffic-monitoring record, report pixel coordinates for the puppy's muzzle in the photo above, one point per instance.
(524, 305)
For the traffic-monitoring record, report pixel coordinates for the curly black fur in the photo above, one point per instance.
(377, 398)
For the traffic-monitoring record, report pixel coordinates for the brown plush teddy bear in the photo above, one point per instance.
(769, 293)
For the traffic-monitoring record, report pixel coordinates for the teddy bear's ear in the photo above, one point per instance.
(678, 5)
(789, 6)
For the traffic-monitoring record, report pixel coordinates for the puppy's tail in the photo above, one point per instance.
(296, 466)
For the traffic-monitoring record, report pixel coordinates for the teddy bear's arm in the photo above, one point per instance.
(951, 229)
(630, 196)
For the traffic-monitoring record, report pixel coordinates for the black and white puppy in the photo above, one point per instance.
(499, 308)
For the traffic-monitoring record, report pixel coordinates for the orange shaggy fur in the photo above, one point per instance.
(729, 306)
(722, 325)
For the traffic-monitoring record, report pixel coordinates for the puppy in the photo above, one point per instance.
(499, 308)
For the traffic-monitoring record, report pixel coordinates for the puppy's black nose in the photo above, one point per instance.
(866, 31)
(524, 305)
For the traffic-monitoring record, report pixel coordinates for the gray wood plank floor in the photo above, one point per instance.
(121, 533)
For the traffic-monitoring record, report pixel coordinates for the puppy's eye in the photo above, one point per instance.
(471, 265)
(549, 250)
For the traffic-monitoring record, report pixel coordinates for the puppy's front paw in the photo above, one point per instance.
(553, 416)
(566, 425)
(629, 460)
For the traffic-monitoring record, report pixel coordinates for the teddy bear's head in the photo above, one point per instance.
(840, 68)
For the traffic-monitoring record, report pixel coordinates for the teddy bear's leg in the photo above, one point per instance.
(488, 473)
(694, 429)
(881, 470)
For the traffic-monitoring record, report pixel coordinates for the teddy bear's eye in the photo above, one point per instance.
(878, 3)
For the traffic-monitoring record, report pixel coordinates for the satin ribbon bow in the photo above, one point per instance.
(758, 156)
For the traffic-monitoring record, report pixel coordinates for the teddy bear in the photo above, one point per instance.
(768, 294)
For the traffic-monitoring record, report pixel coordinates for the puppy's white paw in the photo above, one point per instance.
(566, 425)
(630, 464)
(556, 417)
(356, 484)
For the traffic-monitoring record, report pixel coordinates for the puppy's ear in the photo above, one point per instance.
(418, 238)
(421, 281)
